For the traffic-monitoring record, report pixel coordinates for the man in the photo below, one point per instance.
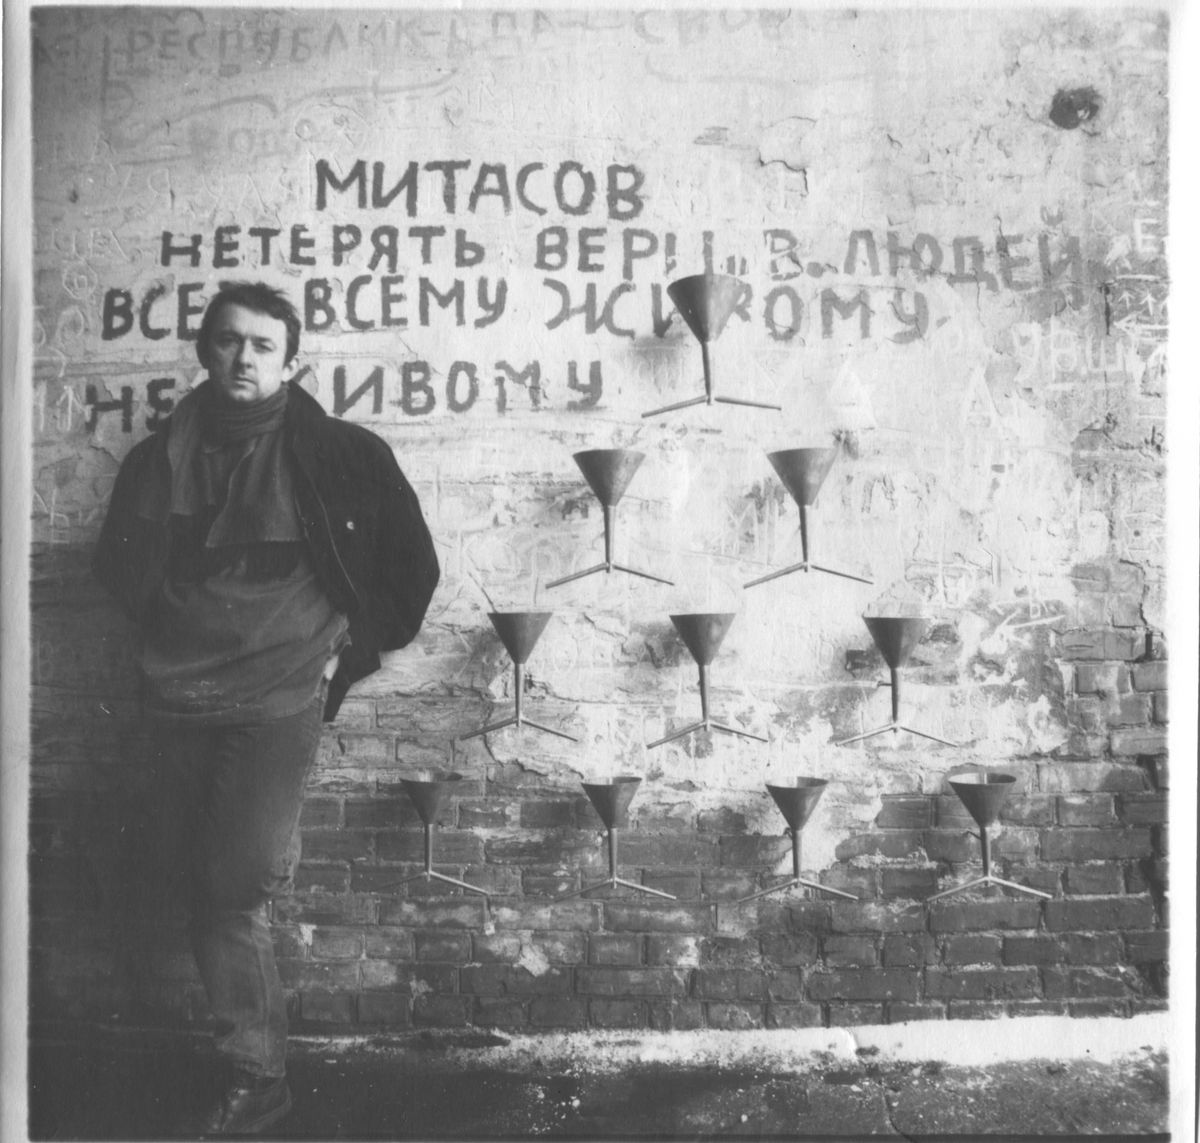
(267, 554)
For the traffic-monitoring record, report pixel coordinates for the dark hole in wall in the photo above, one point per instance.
(1071, 108)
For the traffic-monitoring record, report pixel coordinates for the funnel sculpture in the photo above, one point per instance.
(519, 631)
(608, 471)
(797, 803)
(611, 801)
(705, 302)
(896, 636)
(983, 794)
(803, 471)
(703, 633)
(427, 791)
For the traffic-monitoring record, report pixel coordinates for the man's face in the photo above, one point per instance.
(246, 355)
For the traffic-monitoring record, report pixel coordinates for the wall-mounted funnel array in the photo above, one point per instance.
(427, 790)
(803, 471)
(611, 801)
(984, 794)
(705, 302)
(797, 802)
(519, 631)
(896, 636)
(608, 471)
(702, 634)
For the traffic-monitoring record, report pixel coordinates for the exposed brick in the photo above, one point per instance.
(558, 1012)
(1143, 809)
(721, 821)
(1032, 950)
(1095, 844)
(501, 1012)
(454, 947)
(814, 916)
(856, 1015)
(384, 1008)
(321, 813)
(1101, 643)
(622, 949)
(849, 952)
(1086, 713)
(1149, 946)
(904, 813)
(971, 950)
(1130, 710)
(1084, 777)
(946, 916)
(455, 913)
(384, 943)
(728, 984)
(1095, 880)
(1160, 707)
(547, 814)
(381, 813)
(913, 884)
(337, 944)
(451, 847)
(318, 1006)
(1099, 913)
(863, 984)
(861, 882)
(441, 1011)
(786, 985)
(1150, 676)
(1086, 983)
(682, 951)
(647, 851)
(1037, 1008)
(902, 1013)
(728, 885)
(1086, 1008)
(335, 845)
(950, 845)
(324, 909)
(618, 1013)
(1029, 810)
(794, 1016)
(981, 984)
(676, 1015)
(657, 918)
(577, 914)
(476, 814)
(909, 950)
(753, 851)
(323, 879)
(790, 949)
(1138, 741)
(1044, 877)
(511, 980)
(1092, 948)
(735, 1017)
(893, 843)
(1101, 678)
(870, 917)
(595, 981)
(976, 1010)
(1087, 809)
(361, 747)
(553, 849)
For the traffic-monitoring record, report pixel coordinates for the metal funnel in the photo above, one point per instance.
(703, 632)
(519, 631)
(803, 471)
(609, 471)
(797, 802)
(983, 794)
(428, 790)
(705, 302)
(896, 636)
(612, 798)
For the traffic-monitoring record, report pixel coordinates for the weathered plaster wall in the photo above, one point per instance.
(953, 228)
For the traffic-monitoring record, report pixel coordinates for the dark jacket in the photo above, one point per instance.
(368, 542)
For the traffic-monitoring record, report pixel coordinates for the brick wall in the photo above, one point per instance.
(953, 225)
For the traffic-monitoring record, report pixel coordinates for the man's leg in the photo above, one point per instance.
(248, 787)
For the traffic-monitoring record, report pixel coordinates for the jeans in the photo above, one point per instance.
(231, 799)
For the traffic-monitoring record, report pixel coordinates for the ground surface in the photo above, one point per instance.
(135, 1085)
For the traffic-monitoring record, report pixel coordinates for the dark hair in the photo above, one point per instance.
(257, 296)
